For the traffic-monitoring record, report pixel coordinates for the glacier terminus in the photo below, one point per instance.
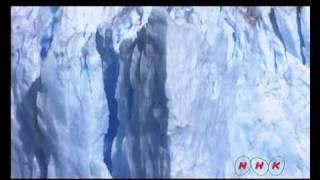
(159, 92)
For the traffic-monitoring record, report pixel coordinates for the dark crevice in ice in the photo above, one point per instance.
(125, 90)
(275, 27)
(302, 45)
(29, 133)
(110, 74)
(48, 37)
(149, 119)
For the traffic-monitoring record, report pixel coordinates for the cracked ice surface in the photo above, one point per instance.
(196, 88)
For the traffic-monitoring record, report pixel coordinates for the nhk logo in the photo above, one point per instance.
(259, 166)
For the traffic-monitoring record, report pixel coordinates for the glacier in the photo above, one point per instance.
(158, 92)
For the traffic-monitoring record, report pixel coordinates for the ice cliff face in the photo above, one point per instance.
(157, 91)
(143, 103)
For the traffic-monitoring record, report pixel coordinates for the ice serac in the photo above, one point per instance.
(73, 111)
(26, 151)
(39, 32)
(59, 109)
(143, 111)
(198, 117)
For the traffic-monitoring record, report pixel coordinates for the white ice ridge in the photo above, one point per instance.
(198, 87)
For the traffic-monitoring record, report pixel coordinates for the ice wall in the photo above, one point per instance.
(230, 91)
(142, 101)
(158, 91)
